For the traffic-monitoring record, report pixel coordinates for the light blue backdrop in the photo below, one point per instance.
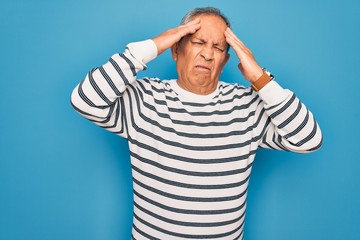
(61, 177)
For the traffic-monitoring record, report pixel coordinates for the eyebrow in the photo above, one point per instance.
(199, 39)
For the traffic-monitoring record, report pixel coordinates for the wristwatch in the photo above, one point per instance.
(263, 80)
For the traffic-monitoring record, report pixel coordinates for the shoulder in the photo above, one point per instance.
(235, 89)
(151, 85)
(240, 96)
(153, 82)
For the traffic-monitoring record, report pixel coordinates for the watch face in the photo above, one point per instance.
(268, 73)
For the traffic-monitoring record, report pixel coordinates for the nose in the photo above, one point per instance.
(207, 53)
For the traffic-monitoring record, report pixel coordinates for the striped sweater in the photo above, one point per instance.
(191, 155)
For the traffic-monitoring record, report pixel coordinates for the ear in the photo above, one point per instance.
(227, 57)
(174, 51)
(225, 61)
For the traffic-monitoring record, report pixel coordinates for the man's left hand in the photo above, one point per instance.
(248, 65)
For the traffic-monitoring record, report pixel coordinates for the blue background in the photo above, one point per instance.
(61, 177)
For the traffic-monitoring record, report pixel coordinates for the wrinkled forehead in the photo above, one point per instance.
(212, 29)
(211, 20)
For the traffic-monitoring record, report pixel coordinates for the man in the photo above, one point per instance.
(193, 140)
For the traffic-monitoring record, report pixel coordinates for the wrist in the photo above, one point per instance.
(159, 46)
(256, 75)
(264, 79)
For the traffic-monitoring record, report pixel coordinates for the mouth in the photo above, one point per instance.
(202, 68)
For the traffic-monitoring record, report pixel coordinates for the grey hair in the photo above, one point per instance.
(204, 10)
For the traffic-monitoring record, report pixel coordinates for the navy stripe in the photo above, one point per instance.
(278, 143)
(109, 81)
(309, 137)
(190, 160)
(317, 146)
(189, 224)
(299, 128)
(97, 89)
(189, 199)
(241, 236)
(283, 108)
(84, 97)
(187, 185)
(123, 121)
(119, 71)
(292, 117)
(116, 120)
(144, 67)
(144, 234)
(193, 211)
(131, 65)
(191, 173)
(82, 112)
(188, 236)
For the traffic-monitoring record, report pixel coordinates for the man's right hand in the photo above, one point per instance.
(172, 36)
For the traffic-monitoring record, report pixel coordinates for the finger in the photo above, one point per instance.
(194, 21)
(188, 30)
(184, 30)
(236, 43)
(238, 48)
(230, 39)
(191, 24)
(229, 33)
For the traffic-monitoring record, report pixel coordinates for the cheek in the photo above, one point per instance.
(186, 57)
(220, 64)
(192, 52)
(183, 65)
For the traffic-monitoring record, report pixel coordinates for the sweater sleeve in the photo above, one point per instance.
(99, 96)
(288, 123)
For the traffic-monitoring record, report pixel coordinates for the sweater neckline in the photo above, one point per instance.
(193, 97)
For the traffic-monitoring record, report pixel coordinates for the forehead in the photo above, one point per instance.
(212, 28)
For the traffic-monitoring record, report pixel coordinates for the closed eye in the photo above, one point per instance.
(197, 42)
(219, 49)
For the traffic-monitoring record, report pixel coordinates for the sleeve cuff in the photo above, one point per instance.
(273, 94)
(143, 51)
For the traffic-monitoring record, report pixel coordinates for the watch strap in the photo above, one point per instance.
(262, 81)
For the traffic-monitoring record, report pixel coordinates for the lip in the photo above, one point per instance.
(203, 68)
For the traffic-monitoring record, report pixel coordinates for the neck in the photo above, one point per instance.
(200, 89)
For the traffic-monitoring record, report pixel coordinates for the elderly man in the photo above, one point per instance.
(193, 140)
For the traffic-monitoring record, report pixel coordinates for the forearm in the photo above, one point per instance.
(292, 126)
(96, 95)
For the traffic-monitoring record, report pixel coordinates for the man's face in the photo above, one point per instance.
(200, 57)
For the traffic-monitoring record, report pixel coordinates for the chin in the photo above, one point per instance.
(201, 80)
